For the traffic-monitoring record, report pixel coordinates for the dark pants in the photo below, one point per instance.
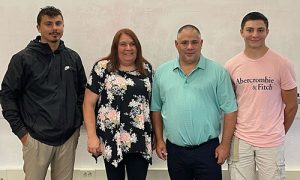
(136, 168)
(198, 162)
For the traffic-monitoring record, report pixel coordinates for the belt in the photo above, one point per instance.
(191, 147)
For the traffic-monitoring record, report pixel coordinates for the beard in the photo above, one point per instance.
(55, 41)
(56, 36)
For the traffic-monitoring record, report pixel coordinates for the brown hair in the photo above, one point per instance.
(50, 11)
(254, 16)
(114, 64)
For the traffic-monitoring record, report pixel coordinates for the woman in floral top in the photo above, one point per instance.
(119, 89)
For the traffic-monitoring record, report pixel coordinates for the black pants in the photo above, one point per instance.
(189, 163)
(136, 168)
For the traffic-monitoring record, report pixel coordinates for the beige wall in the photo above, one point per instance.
(90, 26)
(100, 174)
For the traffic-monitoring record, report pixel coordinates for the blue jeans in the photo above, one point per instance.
(196, 162)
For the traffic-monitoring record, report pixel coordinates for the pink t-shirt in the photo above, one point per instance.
(258, 84)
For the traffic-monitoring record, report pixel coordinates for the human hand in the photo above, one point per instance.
(24, 139)
(94, 146)
(222, 152)
(161, 150)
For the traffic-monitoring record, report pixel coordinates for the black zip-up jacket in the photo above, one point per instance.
(42, 92)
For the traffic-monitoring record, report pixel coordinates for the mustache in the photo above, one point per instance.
(54, 32)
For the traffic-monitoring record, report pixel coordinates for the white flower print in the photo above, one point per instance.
(140, 111)
(115, 163)
(124, 139)
(130, 82)
(147, 67)
(148, 143)
(108, 118)
(135, 73)
(100, 67)
(116, 85)
(107, 152)
(147, 84)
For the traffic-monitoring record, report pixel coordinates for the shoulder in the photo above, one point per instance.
(21, 53)
(282, 64)
(168, 65)
(234, 59)
(235, 62)
(277, 57)
(213, 65)
(101, 64)
(215, 70)
(19, 56)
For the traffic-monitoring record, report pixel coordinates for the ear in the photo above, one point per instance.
(38, 28)
(267, 31)
(241, 32)
(176, 43)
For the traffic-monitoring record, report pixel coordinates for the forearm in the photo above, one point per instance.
(228, 128)
(289, 98)
(89, 120)
(289, 116)
(157, 125)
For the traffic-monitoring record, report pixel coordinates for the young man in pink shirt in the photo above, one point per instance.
(266, 92)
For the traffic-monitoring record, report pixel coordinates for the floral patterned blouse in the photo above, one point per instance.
(123, 112)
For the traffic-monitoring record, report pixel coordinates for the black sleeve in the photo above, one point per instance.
(11, 92)
(81, 83)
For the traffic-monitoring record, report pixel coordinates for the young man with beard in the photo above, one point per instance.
(41, 97)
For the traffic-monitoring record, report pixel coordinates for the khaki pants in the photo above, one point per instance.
(38, 156)
(244, 159)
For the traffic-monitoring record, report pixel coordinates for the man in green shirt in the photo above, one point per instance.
(189, 96)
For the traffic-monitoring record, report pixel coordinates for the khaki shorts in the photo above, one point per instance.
(38, 156)
(245, 159)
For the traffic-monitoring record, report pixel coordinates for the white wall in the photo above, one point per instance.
(11, 161)
(91, 24)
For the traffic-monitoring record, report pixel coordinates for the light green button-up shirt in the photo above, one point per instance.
(192, 106)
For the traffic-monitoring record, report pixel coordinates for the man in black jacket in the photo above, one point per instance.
(41, 97)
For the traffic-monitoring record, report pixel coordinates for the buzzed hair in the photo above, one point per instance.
(188, 26)
(50, 11)
(254, 16)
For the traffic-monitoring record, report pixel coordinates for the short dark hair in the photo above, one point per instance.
(255, 16)
(188, 26)
(50, 11)
(113, 56)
